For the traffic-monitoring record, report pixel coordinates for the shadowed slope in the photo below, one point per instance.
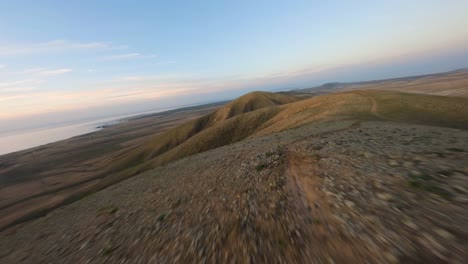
(452, 83)
(258, 114)
(234, 130)
(250, 116)
(372, 104)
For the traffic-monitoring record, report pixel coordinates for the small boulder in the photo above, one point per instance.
(444, 233)
(384, 196)
(459, 189)
(349, 203)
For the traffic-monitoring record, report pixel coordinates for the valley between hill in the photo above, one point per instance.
(362, 175)
(342, 191)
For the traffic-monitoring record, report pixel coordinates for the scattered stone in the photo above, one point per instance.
(443, 167)
(349, 204)
(391, 258)
(384, 196)
(409, 223)
(431, 244)
(419, 158)
(408, 164)
(459, 189)
(461, 199)
(371, 218)
(444, 233)
(465, 170)
(346, 198)
(378, 184)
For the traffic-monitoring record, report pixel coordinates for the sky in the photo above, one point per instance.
(75, 60)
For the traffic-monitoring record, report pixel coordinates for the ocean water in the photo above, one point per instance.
(32, 138)
(21, 140)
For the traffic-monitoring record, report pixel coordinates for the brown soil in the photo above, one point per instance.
(329, 192)
(34, 181)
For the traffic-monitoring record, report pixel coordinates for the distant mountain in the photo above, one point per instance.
(350, 177)
(99, 165)
(262, 113)
(454, 83)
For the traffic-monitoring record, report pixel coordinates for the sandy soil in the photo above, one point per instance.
(330, 192)
(37, 180)
(453, 83)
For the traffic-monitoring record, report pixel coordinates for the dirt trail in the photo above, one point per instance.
(374, 106)
(375, 192)
(302, 171)
(374, 109)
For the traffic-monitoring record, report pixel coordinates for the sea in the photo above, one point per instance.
(21, 140)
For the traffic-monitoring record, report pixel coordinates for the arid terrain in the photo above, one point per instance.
(36, 180)
(357, 176)
(451, 83)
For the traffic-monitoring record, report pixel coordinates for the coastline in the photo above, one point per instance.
(16, 141)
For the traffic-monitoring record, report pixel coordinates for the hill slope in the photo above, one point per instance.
(221, 127)
(341, 191)
(171, 140)
(256, 114)
(452, 83)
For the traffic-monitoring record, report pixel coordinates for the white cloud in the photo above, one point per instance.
(133, 78)
(4, 85)
(64, 44)
(2, 66)
(46, 72)
(159, 77)
(32, 70)
(52, 46)
(127, 56)
(54, 72)
(15, 88)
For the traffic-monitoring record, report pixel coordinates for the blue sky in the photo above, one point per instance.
(83, 58)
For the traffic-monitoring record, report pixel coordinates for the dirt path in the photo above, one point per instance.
(377, 192)
(374, 106)
(374, 109)
(305, 187)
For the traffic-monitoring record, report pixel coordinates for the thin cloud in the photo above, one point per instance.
(17, 89)
(166, 62)
(54, 72)
(13, 89)
(144, 78)
(127, 56)
(46, 72)
(4, 85)
(52, 46)
(2, 66)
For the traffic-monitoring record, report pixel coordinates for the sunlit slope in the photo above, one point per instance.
(372, 104)
(262, 113)
(453, 83)
(234, 130)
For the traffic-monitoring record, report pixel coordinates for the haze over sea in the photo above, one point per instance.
(67, 64)
(13, 141)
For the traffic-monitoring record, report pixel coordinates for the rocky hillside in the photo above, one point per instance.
(251, 116)
(265, 113)
(334, 191)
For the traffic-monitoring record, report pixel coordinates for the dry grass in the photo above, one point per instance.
(453, 83)
(229, 124)
(262, 113)
(255, 114)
